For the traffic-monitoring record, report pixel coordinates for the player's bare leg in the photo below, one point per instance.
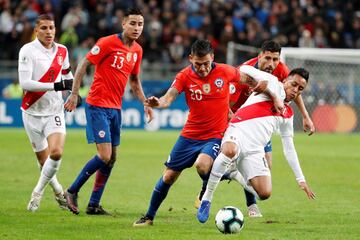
(262, 185)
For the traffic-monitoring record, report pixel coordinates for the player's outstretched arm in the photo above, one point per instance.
(72, 100)
(135, 85)
(164, 101)
(292, 158)
(308, 124)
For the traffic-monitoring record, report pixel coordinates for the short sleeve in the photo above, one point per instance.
(99, 50)
(179, 82)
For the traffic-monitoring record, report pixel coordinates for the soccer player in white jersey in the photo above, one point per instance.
(249, 131)
(44, 71)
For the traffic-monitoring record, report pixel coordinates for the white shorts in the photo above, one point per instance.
(38, 128)
(253, 165)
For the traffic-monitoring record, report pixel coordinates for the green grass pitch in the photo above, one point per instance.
(331, 164)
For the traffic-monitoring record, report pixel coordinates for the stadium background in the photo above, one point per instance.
(330, 161)
(332, 98)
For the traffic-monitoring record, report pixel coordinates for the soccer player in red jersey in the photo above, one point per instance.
(206, 87)
(268, 60)
(117, 59)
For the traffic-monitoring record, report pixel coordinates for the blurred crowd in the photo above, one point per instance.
(172, 25)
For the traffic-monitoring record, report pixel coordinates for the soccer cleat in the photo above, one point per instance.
(197, 202)
(71, 199)
(203, 211)
(144, 221)
(97, 210)
(254, 211)
(61, 200)
(34, 203)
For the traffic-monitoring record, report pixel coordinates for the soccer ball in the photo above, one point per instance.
(229, 220)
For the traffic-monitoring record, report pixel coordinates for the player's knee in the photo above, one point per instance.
(56, 153)
(105, 156)
(169, 177)
(203, 168)
(264, 194)
(229, 149)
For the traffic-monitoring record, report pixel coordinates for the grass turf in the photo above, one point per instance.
(330, 162)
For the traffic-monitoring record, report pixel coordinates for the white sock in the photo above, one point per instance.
(220, 166)
(48, 171)
(54, 183)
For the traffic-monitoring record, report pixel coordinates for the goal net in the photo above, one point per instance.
(332, 96)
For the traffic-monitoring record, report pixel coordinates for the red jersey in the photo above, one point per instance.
(242, 92)
(208, 100)
(114, 62)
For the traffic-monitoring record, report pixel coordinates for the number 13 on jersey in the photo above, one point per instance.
(118, 62)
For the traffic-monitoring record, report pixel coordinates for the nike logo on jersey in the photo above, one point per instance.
(193, 85)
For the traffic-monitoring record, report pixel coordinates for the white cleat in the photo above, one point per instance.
(254, 211)
(61, 200)
(34, 203)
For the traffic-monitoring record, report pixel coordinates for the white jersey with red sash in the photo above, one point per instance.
(255, 122)
(43, 65)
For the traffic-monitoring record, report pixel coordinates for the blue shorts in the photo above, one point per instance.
(268, 147)
(103, 124)
(186, 150)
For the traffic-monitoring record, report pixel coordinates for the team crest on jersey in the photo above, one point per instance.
(206, 87)
(102, 134)
(135, 57)
(60, 60)
(95, 50)
(219, 83)
(128, 56)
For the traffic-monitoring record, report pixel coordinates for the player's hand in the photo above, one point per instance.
(63, 85)
(310, 194)
(71, 102)
(308, 126)
(230, 114)
(279, 105)
(152, 102)
(260, 87)
(149, 114)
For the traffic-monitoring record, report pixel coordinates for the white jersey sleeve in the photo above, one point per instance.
(287, 132)
(257, 74)
(26, 68)
(274, 85)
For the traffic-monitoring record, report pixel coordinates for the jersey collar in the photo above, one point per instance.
(119, 35)
(38, 43)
